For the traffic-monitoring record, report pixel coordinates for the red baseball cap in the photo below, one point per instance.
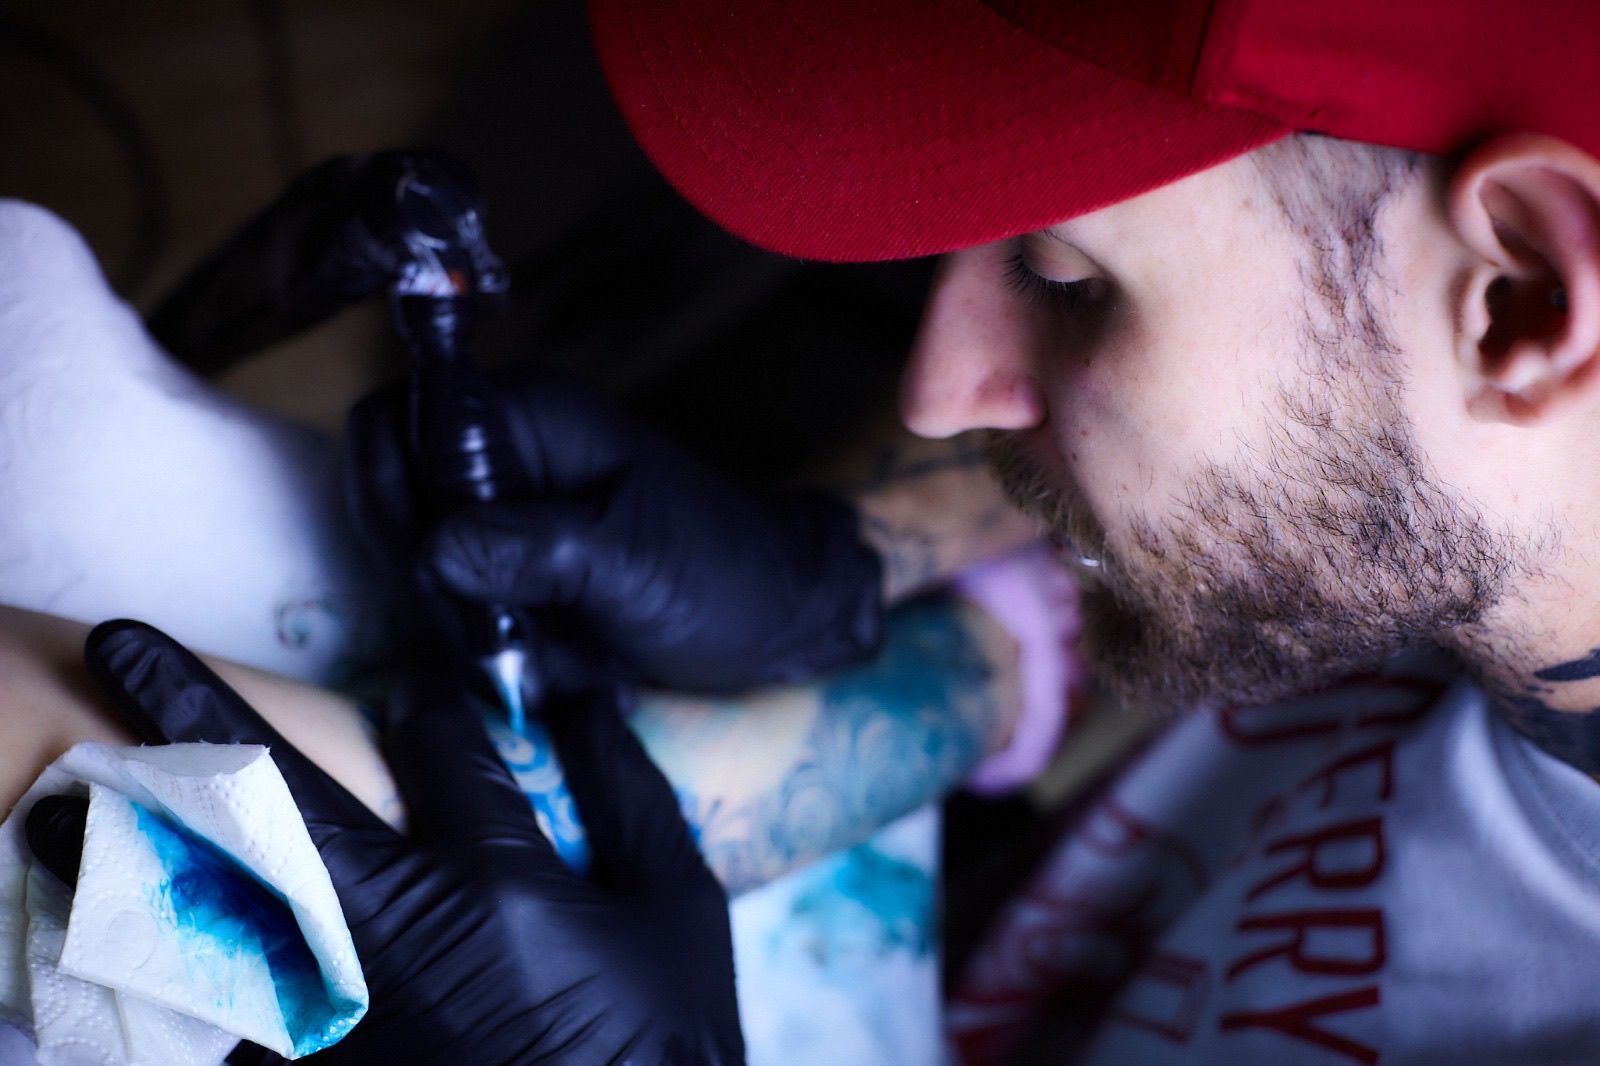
(882, 129)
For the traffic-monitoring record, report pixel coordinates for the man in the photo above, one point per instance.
(1285, 319)
(1262, 319)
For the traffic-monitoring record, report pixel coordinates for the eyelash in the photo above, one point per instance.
(1061, 295)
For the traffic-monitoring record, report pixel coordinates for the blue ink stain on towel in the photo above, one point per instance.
(866, 899)
(223, 907)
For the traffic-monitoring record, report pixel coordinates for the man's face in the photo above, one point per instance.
(1221, 443)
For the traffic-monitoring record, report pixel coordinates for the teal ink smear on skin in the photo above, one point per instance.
(228, 912)
(873, 898)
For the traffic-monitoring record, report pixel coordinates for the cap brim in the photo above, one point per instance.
(887, 129)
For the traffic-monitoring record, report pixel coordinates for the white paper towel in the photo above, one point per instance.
(166, 953)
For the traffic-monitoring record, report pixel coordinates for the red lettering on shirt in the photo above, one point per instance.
(1299, 924)
(1339, 857)
(1113, 831)
(1381, 753)
(1298, 1020)
(1166, 996)
(1317, 874)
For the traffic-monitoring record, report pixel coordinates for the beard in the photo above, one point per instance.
(1330, 550)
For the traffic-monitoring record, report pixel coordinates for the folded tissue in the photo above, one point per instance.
(203, 915)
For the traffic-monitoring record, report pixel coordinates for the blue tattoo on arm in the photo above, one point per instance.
(888, 737)
(1571, 736)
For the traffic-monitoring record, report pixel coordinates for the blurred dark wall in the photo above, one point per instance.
(158, 127)
(758, 361)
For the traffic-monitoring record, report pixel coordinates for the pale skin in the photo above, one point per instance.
(48, 703)
(1201, 331)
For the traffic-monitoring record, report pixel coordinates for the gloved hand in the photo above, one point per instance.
(687, 579)
(478, 944)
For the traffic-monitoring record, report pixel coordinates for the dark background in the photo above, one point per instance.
(159, 127)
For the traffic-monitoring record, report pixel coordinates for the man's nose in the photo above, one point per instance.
(971, 366)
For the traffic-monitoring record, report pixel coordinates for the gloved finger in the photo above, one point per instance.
(547, 553)
(168, 696)
(55, 834)
(568, 656)
(640, 843)
(566, 435)
(433, 616)
(377, 474)
(290, 267)
(459, 795)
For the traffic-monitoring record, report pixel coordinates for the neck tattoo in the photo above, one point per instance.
(1573, 736)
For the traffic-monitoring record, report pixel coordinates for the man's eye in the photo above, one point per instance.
(1069, 296)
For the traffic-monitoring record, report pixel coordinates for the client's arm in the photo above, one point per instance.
(931, 508)
(778, 779)
(48, 704)
(771, 781)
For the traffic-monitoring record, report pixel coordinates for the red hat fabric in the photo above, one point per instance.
(883, 129)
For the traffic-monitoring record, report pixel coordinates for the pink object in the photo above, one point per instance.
(1030, 595)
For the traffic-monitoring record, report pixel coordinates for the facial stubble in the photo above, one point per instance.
(1312, 558)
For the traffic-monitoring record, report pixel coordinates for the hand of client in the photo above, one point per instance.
(691, 581)
(472, 933)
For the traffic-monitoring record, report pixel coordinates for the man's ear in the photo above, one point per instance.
(1528, 206)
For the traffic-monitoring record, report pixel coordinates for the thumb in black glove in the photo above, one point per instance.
(55, 834)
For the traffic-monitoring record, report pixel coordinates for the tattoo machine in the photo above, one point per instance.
(408, 223)
(459, 440)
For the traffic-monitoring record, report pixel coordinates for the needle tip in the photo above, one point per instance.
(506, 670)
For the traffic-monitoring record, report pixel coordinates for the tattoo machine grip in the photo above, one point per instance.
(460, 445)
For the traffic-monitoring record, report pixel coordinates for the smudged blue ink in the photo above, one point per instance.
(293, 619)
(865, 894)
(687, 805)
(220, 903)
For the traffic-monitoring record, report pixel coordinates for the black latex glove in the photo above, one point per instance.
(687, 579)
(336, 236)
(477, 942)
